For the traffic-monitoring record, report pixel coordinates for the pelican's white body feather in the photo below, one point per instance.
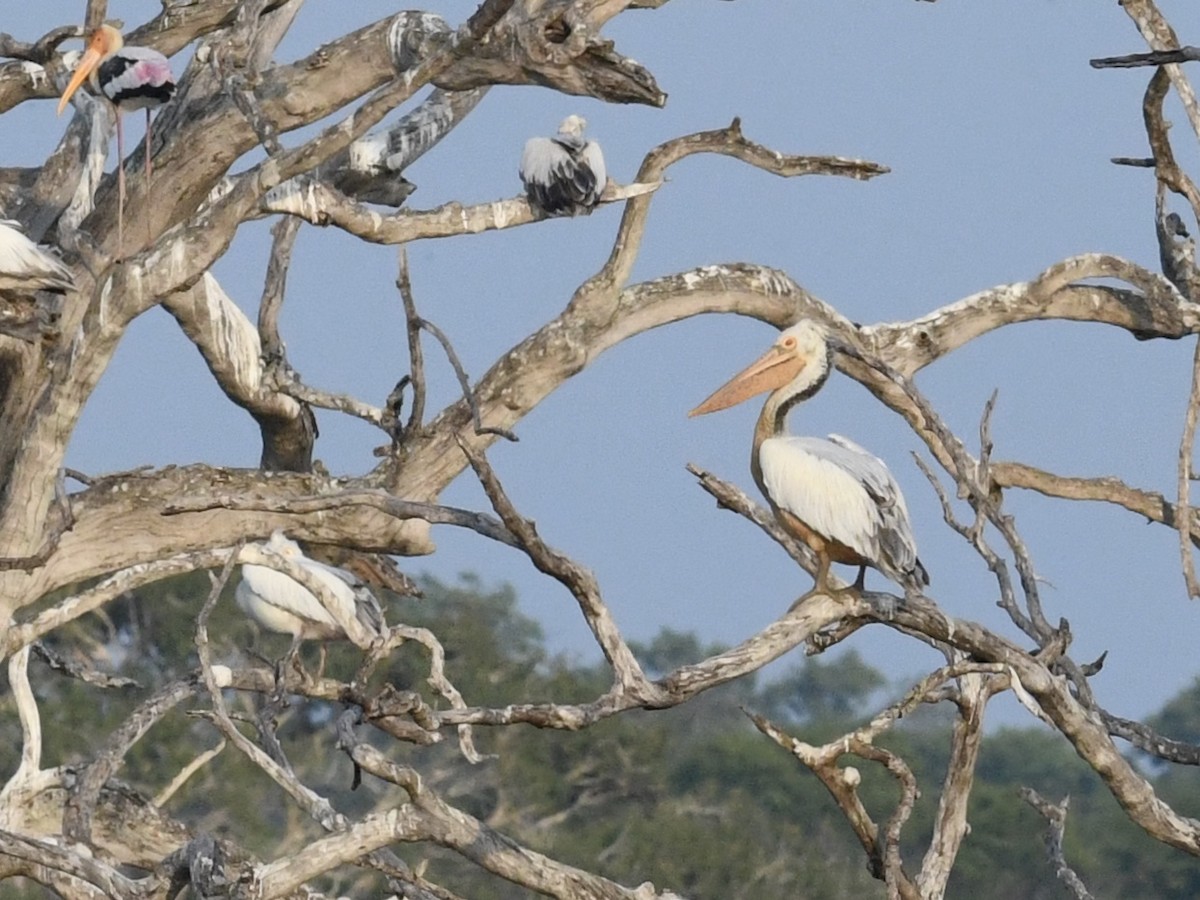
(844, 493)
(564, 175)
(25, 267)
(283, 605)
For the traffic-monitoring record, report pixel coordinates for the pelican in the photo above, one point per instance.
(830, 493)
(132, 78)
(283, 605)
(25, 267)
(564, 175)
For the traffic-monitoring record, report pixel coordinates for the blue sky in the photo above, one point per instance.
(998, 134)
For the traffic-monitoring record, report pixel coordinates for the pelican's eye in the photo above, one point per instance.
(789, 342)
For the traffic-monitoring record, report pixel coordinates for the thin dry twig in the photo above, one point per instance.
(416, 356)
(182, 776)
(1183, 480)
(464, 382)
(283, 240)
(1056, 821)
(579, 581)
(79, 670)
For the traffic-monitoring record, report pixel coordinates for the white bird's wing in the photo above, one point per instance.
(284, 594)
(25, 267)
(845, 493)
(366, 605)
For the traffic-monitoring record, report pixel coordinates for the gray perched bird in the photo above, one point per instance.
(25, 267)
(564, 175)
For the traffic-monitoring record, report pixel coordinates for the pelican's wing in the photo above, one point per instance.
(810, 478)
(366, 605)
(843, 492)
(896, 535)
(285, 594)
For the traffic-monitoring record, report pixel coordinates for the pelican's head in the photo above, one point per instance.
(573, 126)
(283, 545)
(104, 42)
(797, 360)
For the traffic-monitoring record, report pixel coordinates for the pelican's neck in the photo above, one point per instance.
(772, 421)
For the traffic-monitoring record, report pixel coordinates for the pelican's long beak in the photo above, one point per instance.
(96, 49)
(772, 370)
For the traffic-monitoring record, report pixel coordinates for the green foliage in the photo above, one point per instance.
(693, 798)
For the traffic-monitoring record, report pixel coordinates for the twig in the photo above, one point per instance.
(465, 383)
(1149, 741)
(339, 402)
(85, 792)
(579, 581)
(113, 586)
(29, 717)
(181, 778)
(1183, 479)
(77, 670)
(1153, 58)
(416, 357)
(437, 679)
(283, 240)
(1056, 821)
(315, 805)
(43, 49)
(384, 502)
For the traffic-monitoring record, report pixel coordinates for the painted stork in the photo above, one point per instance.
(283, 605)
(830, 493)
(25, 267)
(564, 175)
(131, 78)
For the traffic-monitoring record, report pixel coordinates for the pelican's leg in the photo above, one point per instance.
(820, 579)
(860, 582)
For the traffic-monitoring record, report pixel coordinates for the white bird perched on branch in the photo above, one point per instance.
(25, 267)
(281, 604)
(564, 175)
(830, 493)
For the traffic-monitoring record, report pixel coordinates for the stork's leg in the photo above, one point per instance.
(148, 166)
(120, 188)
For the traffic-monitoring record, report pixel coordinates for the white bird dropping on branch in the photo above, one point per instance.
(564, 175)
(281, 604)
(25, 267)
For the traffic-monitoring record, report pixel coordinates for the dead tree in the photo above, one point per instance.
(80, 832)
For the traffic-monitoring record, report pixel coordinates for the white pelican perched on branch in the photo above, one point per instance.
(830, 493)
(564, 175)
(25, 267)
(283, 605)
(131, 78)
